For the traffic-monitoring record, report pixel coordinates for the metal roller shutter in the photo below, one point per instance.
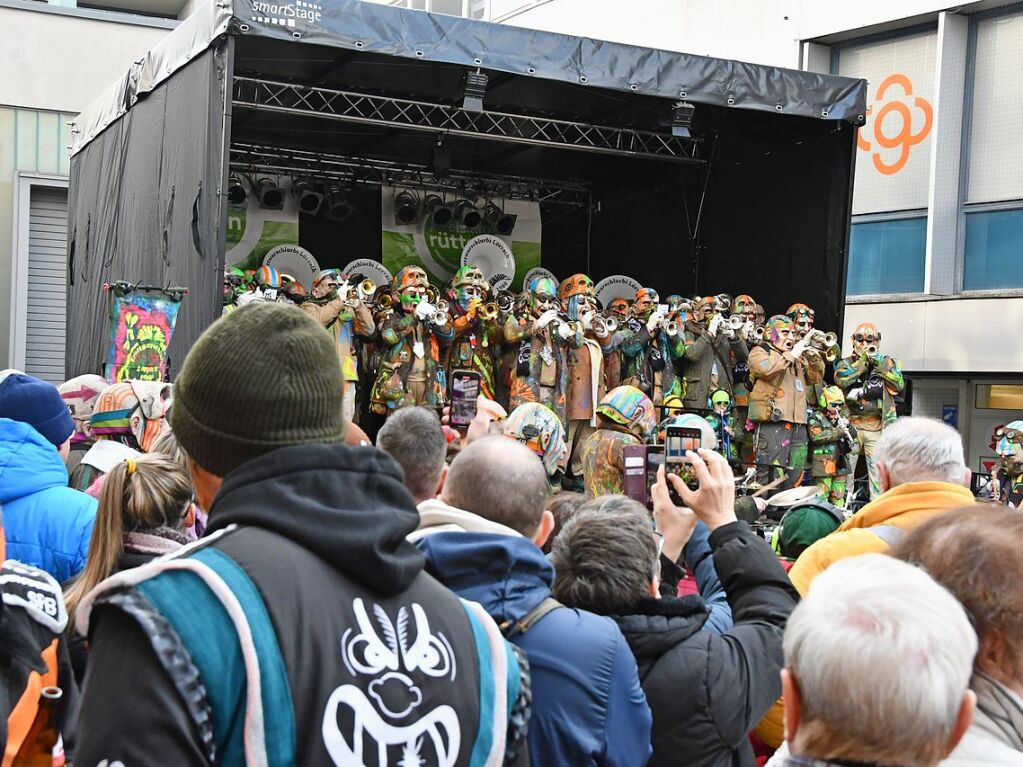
(47, 284)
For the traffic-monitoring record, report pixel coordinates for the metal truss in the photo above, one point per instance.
(368, 109)
(257, 159)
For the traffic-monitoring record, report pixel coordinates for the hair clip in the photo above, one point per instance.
(131, 466)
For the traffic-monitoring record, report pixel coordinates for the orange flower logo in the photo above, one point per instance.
(904, 140)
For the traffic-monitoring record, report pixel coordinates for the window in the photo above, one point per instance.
(887, 257)
(893, 146)
(995, 159)
(1000, 397)
(994, 250)
(474, 9)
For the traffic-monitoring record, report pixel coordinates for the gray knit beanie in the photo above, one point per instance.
(262, 377)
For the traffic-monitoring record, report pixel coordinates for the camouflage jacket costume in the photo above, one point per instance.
(828, 453)
(604, 460)
(398, 335)
(645, 354)
(853, 372)
(477, 346)
(528, 378)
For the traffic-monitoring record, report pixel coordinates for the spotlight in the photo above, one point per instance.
(406, 207)
(309, 198)
(475, 90)
(236, 193)
(434, 207)
(502, 222)
(269, 194)
(682, 119)
(338, 207)
(465, 212)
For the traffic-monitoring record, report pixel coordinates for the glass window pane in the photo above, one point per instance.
(1000, 396)
(450, 7)
(893, 147)
(996, 162)
(887, 257)
(994, 250)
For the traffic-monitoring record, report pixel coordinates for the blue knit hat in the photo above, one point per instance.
(38, 403)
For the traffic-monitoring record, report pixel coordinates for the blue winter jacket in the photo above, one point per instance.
(47, 524)
(588, 706)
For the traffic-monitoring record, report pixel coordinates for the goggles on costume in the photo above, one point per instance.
(1010, 433)
(860, 338)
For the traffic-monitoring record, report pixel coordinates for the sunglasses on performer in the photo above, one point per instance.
(860, 338)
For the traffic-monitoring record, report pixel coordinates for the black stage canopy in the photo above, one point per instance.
(756, 198)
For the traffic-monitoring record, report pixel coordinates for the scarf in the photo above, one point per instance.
(999, 709)
(157, 541)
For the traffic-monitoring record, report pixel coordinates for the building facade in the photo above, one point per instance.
(58, 58)
(936, 250)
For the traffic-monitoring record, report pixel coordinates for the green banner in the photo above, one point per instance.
(438, 249)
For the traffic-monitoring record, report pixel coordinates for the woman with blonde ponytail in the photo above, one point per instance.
(144, 509)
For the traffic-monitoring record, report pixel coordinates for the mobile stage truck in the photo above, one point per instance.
(689, 174)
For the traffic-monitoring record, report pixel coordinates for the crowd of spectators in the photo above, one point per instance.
(226, 572)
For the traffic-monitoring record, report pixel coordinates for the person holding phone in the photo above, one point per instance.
(782, 374)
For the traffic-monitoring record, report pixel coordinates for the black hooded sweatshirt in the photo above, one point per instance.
(707, 691)
(320, 530)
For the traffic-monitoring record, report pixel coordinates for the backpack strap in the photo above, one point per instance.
(890, 534)
(526, 622)
(212, 604)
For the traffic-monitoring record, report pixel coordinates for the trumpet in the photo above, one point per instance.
(442, 306)
(506, 301)
(736, 321)
(382, 300)
(758, 332)
(669, 326)
(488, 312)
(825, 344)
(366, 289)
(603, 326)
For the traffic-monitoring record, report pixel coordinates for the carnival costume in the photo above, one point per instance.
(538, 428)
(411, 371)
(712, 348)
(781, 377)
(541, 370)
(871, 381)
(625, 417)
(1007, 441)
(831, 439)
(650, 349)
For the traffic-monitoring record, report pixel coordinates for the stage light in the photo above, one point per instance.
(502, 222)
(437, 210)
(338, 208)
(682, 119)
(309, 197)
(269, 194)
(465, 213)
(475, 90)
(236, 192)
(406, 208)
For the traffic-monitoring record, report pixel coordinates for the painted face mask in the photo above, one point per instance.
(234, 283)
(410, 284)
(645, 303)
(779, 332)
(802, 317)
(866, 339)
(619, 307)
(269, 281)
(543, 296)
(133, 413)
(81, 394)
(467, 286)
(745, 305)
(1007, 442)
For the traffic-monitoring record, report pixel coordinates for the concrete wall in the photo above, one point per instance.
(56, 62)
(946, 335)
(758, 31)
(62, 62)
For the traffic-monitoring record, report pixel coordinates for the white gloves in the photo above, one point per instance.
(564, 331)
(546, 318)
(715, 323)
(653, 321)
(800, 347)
(747, 329)
(425, 310)
(854, 394)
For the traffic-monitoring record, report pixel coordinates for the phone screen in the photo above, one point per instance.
(678, 440)
(465, 388)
